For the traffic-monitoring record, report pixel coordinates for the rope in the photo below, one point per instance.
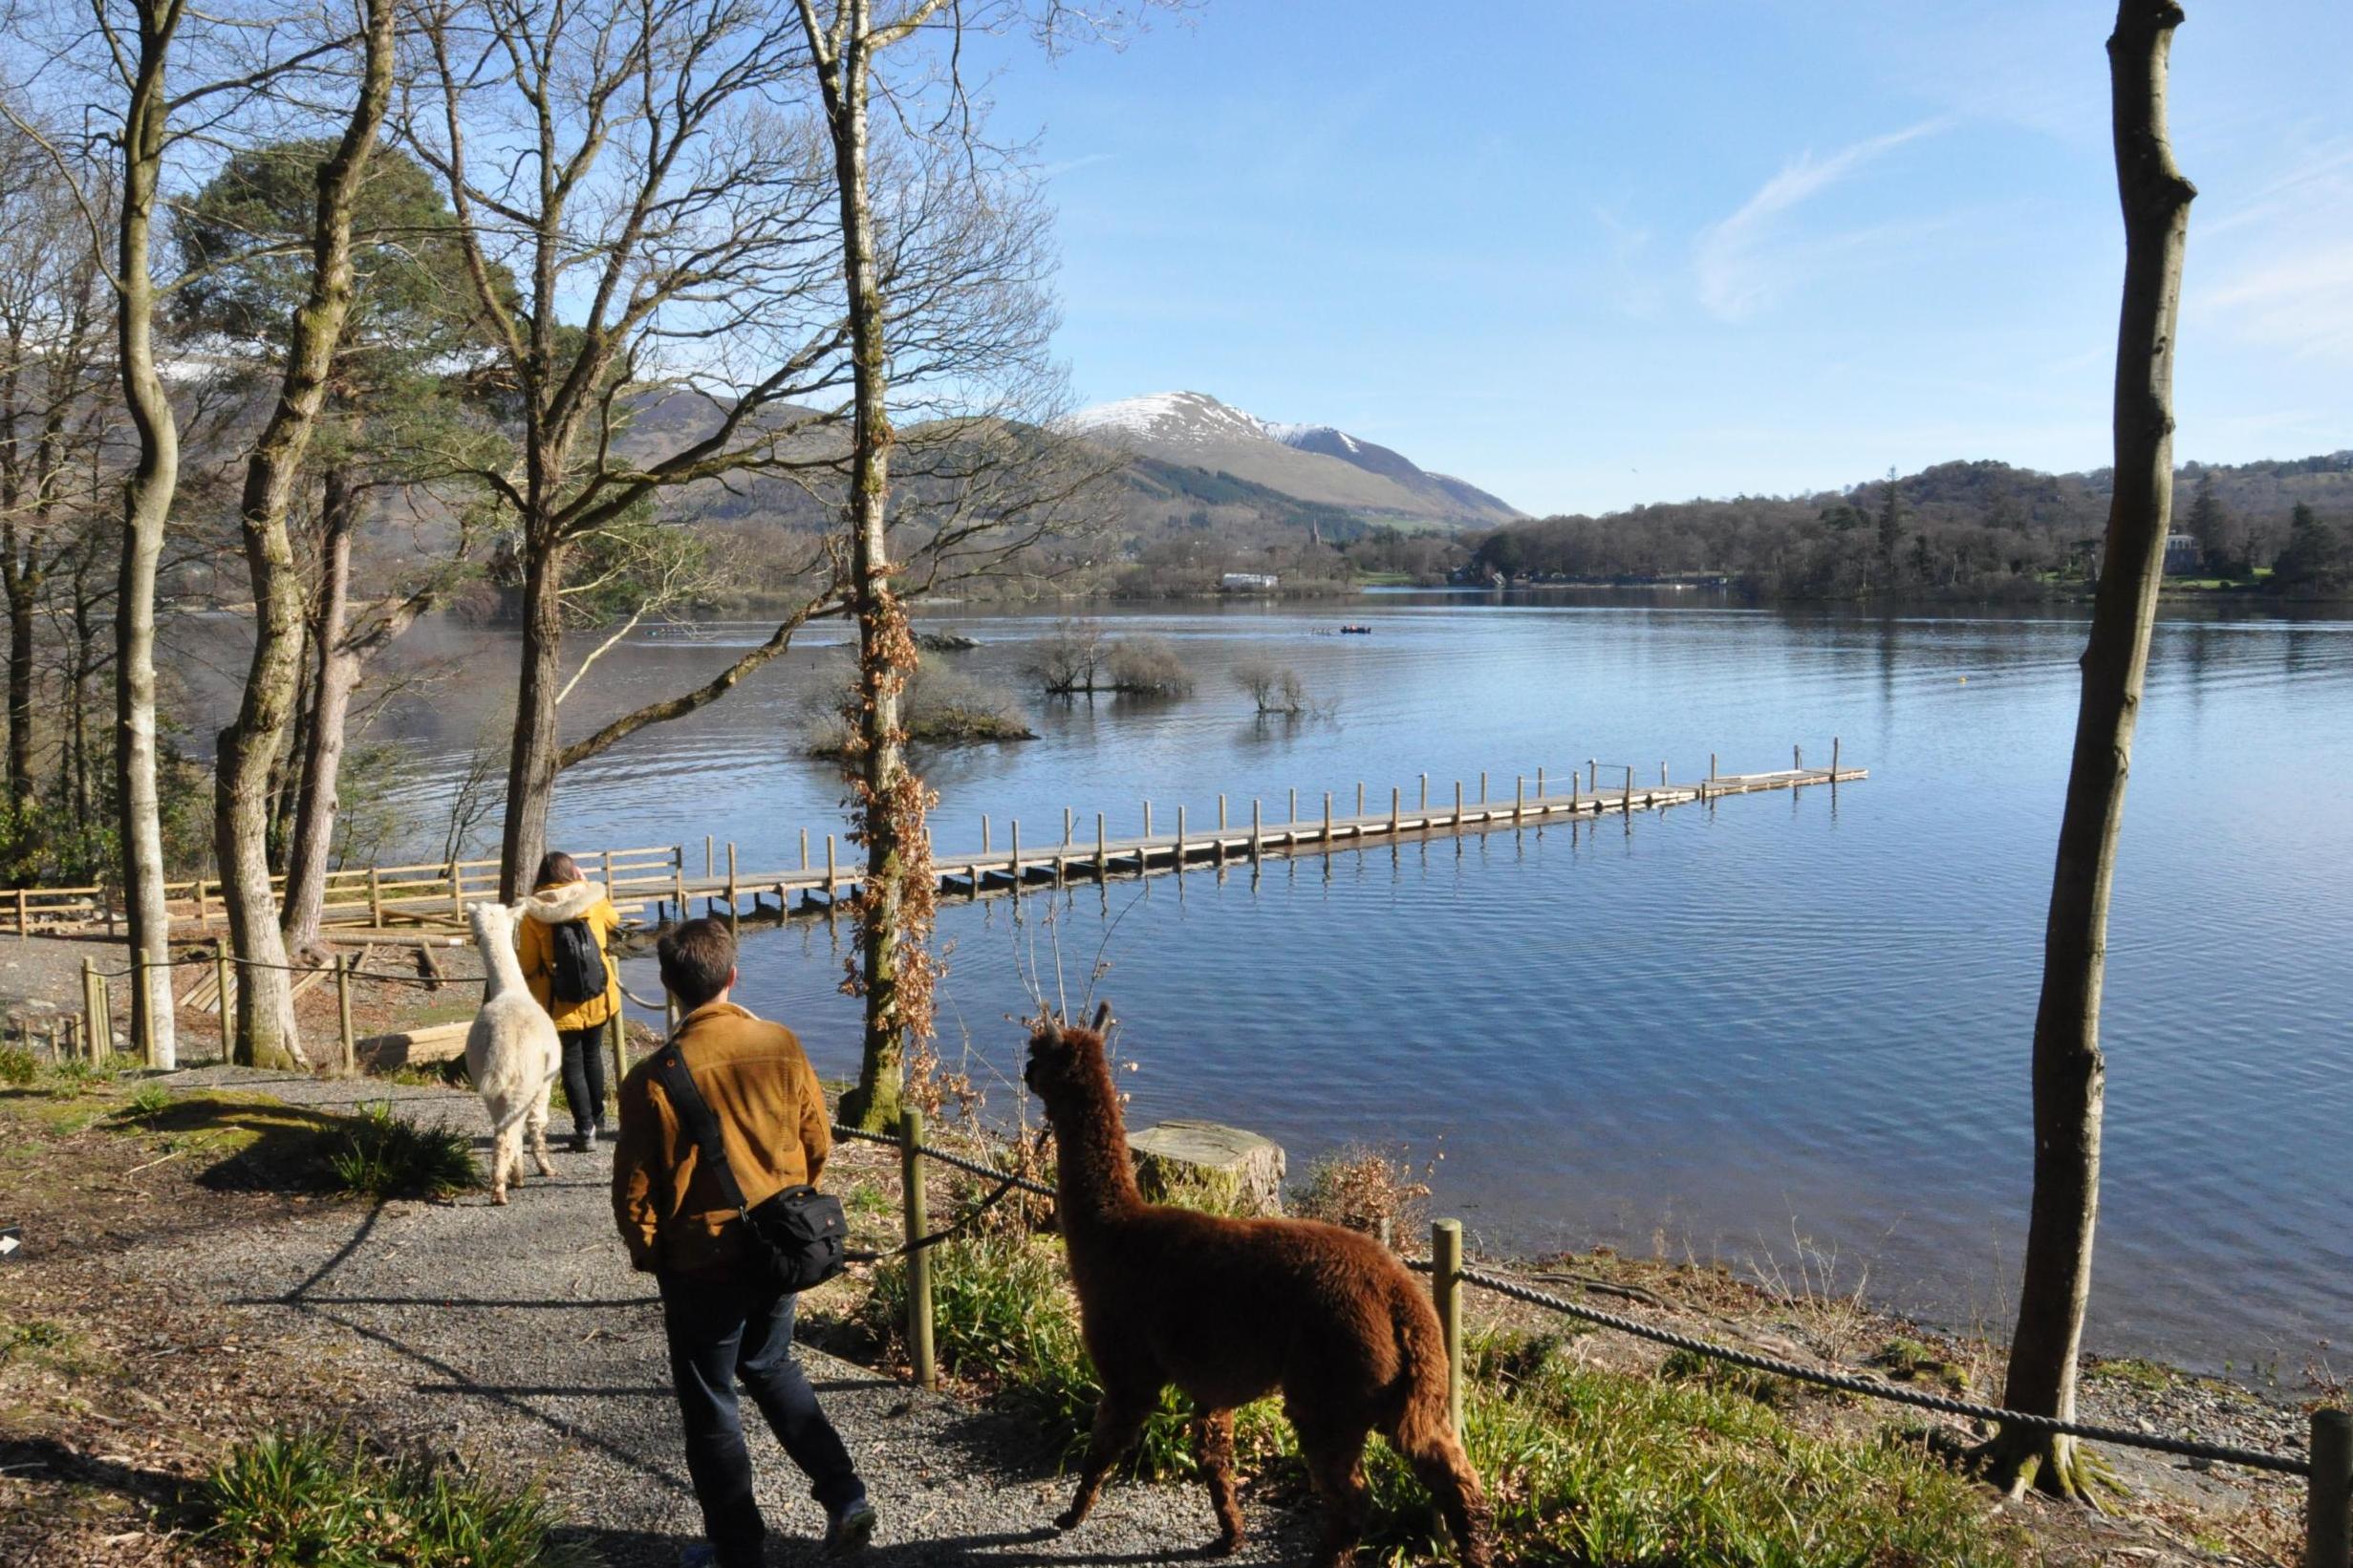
(1875, 1387)
(919, 1243)
(984, 1171)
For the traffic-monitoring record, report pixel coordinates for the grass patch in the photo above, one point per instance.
(381, 1157)
(18, 1068)
(314, 1500)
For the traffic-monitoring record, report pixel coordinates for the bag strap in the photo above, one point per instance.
(695, 1113)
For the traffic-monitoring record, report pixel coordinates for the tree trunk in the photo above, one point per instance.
(530, 760)
(2068, 1071)
(250, 748)
(146, 509)
(880, 756)
(23, 587)
(317, 802)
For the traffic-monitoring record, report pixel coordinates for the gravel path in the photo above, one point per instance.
(522, 1331)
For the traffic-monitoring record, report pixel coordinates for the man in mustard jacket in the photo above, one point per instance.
(568, 916)
(721, 1325)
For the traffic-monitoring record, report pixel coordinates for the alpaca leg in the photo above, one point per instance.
(1216, 1439)
(505, 1162)
(1336, 1464)
(1454, 1485)
(1120, 1417)
(537, 1124)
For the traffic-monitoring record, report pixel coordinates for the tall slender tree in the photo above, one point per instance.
(2069, 1072)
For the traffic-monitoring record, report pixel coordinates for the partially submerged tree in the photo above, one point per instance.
(2069, 1073)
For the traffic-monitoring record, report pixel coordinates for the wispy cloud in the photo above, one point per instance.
(1751, 258)
(1070, 165)
(2302, 302)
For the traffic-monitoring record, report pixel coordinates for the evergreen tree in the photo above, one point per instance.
(2210, 525)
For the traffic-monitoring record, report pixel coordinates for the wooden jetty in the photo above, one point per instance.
(412, 903)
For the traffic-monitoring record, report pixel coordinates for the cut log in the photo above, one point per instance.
(1203, 1165)
(413, 1047)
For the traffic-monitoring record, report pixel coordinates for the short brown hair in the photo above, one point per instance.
(698, 960)
(555, 865)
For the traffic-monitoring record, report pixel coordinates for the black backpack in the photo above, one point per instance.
(578, 972)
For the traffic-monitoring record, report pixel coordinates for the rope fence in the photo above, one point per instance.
(2327, 1468)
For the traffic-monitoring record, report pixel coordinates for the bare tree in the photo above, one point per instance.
(1068, 661)
(2069, 1073)
(250, 746)
(640, 174)
(1274, 689)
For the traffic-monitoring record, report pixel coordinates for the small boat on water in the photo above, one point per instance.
(1355, 629)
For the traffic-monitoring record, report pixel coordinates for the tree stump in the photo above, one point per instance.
(1203, 1165)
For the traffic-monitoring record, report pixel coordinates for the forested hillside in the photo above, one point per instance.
(1959, 529)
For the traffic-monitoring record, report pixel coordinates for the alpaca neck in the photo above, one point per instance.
(1097, 1183)
(502, 968)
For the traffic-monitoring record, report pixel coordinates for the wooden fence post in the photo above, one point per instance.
(225, 976)
(918, 1258)
(1446, 1290)
(616, 1031)
(2329, 1503)
(95, 1027)
(24, 915)
(1834, 759)
(141, 964)
(607, 856)
(376, 898)
(106, 1019)
(343, 1010)
(1103, 854)
(1255, 830)
(1396, 815)
(830, 874)
(457, 889)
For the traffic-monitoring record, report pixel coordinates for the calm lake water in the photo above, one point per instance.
(1789, 1033)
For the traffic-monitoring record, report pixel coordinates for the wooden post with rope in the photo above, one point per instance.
(1446, 1291)
(2328, 1502)
(343, 1010)
(918, 1258)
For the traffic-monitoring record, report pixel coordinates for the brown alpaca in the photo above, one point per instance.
(1230, 1310)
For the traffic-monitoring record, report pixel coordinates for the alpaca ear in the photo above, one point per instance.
(1103, 1017)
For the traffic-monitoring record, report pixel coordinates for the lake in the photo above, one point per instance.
(1789, 1033)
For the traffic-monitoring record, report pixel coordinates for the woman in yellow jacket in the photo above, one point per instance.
(565, 941)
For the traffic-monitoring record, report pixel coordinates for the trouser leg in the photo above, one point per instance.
(584, 1076)
(704, 1322)
(781, 1389)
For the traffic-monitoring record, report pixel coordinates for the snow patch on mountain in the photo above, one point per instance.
(1192, 419)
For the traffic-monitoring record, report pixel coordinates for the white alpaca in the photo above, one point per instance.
(511, 1052)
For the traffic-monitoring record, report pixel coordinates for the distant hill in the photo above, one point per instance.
(1190, 447)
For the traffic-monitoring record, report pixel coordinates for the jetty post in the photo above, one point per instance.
(2328, 1505)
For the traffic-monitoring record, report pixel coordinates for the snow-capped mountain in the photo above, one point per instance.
(1315, 464)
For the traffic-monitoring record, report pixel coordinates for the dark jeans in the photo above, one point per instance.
(584, 1076)
(721, 1332)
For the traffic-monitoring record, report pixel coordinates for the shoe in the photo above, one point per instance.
(848, 1529)
(583, 1141)
(699, 1555)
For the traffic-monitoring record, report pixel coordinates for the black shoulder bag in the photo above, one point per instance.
(799, 1235)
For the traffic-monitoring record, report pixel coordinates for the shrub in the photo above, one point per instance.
(1361, 1189)
(1149, 667)
(1275, 690)
(147, 1102)
(75, 1078)
(318, 1501)
(17, 1067)
(1068, 660)
(382, 1156)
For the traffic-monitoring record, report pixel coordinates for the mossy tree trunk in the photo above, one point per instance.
(2068, 1070)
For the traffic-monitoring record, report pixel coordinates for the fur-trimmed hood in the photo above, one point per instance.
(554, 905)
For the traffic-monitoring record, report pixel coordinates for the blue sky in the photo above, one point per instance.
(1590, 253)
